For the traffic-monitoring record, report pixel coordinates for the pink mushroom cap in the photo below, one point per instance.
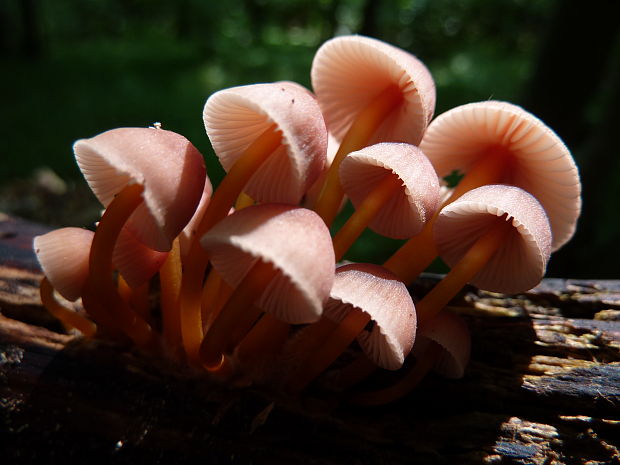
(541, 163)
(376, 291)
(295, 241)
(234, 118)
(452, 334)
(169, 167)
(520, 262)
(63, 255)
(407, 212)
(349, 72)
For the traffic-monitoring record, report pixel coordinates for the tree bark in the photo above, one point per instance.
(543, 386)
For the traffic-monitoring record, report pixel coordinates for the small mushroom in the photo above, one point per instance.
(443, 346)
(361, 293)
(277, 257)
(394, 189)
(271, 140)
(369, 92)
(63, 256)
(497, 142)
(495, 237)
(150, 181)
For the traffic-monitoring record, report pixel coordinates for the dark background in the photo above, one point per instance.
(72, 69)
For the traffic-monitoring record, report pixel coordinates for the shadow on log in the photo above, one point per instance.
(543, 387)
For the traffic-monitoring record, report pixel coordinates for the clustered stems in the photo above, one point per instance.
(249, 288)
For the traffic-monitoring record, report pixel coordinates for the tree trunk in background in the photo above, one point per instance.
(577, 68)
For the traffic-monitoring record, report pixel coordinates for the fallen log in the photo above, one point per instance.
(543, 387)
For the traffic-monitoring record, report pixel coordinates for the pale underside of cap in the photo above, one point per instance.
(542, 165)
(406, 213)
(294, 240)
(349, 72)
(374, 290)
(234, 118)
(169, 167)
(520, 262)
(452, 334)
(63, 256)
(136, 262)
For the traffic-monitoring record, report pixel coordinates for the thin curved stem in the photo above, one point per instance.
(365, 213)
(357, 137)
(221, 201)
(170, 276)
(330, 349)
(101, 298)
(472, 262)
(68, 317)
(217, 341)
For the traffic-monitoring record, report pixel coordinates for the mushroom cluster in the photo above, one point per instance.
(243, 283)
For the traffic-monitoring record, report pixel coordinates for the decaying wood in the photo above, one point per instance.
(543, 387)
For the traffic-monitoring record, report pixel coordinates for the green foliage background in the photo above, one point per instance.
(74, 69)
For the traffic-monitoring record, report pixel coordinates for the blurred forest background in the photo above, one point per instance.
(72, 69)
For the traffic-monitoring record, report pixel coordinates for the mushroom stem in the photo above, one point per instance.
(210, 292)
(365, 213)
(101, 298)
(330, 348)
(472, 262)
(419, 252)
(68, 318)
(357, 137)
(219, 205)
(170, 276)
(263, 342)
(410, 380)
(217, 341)
(136, 298)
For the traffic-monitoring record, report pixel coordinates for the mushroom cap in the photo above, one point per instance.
(520, 262)
(349, 72)
(136, 262)
(376, 291)
(542, 165)
(407, 211)
(169, 167)
(294, 240)
(63, 255)
(234, 118)
(452, 334)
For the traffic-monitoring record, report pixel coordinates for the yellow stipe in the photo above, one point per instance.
(356, 138)
(208, 301)
(266, 337)
(472, 262)
(410, 380)
(101, 294)
(264, 341)
(414, 256)
(137, 298)
(217, 340)
(389, 186)
(219, 205)
(170, 284)
(330, 349)
(243, 201)
(419, 252)
(69, 318)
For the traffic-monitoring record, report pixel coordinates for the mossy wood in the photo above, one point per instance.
(543, 386)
